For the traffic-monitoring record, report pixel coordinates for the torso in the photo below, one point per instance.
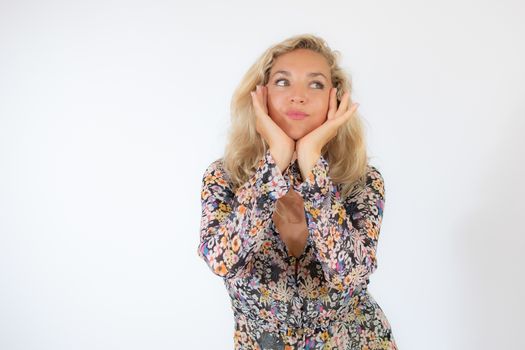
(290, 221)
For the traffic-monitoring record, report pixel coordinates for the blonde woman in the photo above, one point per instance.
(291, 213)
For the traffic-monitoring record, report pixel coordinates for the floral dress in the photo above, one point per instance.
(316, 301)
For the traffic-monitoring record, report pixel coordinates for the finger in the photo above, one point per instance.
(341, 120)
(265, 98)
(343, 107)
(332, 104)
(258, 93)
(255, 101)
(261, 98)
(350, 113)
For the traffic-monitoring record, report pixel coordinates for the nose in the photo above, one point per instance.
(298, 95)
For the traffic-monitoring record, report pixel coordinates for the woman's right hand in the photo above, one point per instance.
(282, 146)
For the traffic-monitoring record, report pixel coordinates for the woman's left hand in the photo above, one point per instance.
(309, 146)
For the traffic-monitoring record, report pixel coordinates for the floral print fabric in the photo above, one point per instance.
(316, 301)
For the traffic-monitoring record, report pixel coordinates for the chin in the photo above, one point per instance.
(295, 135)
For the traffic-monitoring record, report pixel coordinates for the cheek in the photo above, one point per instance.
(322, 107)
(275, 104)
(274, 97)
(326, 101)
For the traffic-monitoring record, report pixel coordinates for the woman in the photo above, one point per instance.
(291, 213)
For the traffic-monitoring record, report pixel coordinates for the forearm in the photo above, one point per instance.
(345, 232)
(307, 160)
(233, 223)
(282, 158)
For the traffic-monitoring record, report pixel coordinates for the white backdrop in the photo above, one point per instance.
(110, 111)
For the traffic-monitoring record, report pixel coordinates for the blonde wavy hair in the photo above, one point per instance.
(346, 153)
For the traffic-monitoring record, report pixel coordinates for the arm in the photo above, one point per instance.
(233, 225)
(344, 234)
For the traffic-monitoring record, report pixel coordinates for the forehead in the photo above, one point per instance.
(301, 61)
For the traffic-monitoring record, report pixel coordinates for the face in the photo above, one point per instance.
(298, 92)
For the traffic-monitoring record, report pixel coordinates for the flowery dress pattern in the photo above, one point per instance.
(316, 301)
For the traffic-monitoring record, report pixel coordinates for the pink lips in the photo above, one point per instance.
(297, 115)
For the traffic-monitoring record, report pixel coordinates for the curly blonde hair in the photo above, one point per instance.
(346, 153)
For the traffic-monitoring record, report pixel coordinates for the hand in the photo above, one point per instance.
(281, 145)
(309, 146)
(319, 137)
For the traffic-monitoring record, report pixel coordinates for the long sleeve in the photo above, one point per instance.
(234, 224)
(344, 234)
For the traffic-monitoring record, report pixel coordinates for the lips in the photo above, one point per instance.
(296, 114)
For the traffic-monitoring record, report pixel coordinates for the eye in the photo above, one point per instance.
(318, 84)
(278, 80)
(321, 85)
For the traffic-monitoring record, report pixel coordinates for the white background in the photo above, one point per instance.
(110, 111)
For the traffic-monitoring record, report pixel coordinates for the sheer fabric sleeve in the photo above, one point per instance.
(234, 224)
(343, 233)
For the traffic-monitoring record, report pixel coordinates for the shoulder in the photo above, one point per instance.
(374, 180)
(216, 174)
(216, 165)
(214, 171)
(373, 173)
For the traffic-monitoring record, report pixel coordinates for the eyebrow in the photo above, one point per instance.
(312, 74)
